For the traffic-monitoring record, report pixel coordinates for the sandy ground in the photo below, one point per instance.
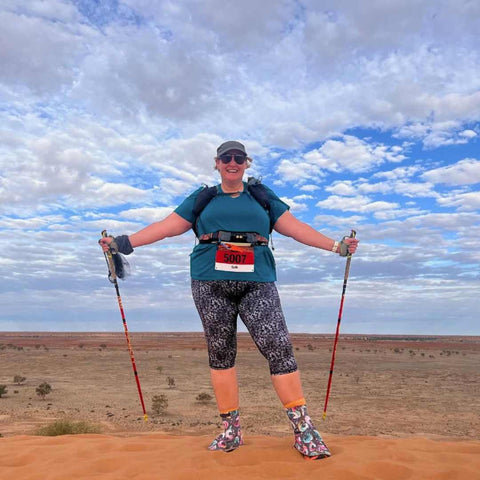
(157, 456)
(418, 396)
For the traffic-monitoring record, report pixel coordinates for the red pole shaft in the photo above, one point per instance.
(130, 349)
(337, 332)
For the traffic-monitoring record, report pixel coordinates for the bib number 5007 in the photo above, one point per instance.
(234, 258)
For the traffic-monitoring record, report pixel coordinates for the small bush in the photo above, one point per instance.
(43, 390)
(66, 427)
(204, 398)
(159, 369)
(171, 382)
(159, 404)
(18, 379)
(3, 390)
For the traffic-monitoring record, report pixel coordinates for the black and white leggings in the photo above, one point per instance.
(219, 302)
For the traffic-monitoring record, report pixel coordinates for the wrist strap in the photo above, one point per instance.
(123, 244)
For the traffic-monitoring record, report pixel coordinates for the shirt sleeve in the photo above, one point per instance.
(277, 207)
(185, 209)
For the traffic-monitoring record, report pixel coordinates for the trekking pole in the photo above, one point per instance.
(113, 279)
(345, 278)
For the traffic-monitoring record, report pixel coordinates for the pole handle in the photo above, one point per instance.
(110, 263)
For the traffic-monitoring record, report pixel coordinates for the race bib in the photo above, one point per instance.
(234, 257)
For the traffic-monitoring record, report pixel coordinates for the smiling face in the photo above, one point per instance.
(231, 172)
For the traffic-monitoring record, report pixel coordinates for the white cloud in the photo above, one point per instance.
(344, 188)
(302, 197)
(461, 201)
(400, 172)
(359, 203)
(468, 134)
(397, 213)
(309, 188)
(353, 154)
(393, 185)
(298, 171)
(30, 223)
(378, 187)
(338, 221)
(346, 154)
(411, 189)
(464, 172)
(449, 221)
(146, 214)
(440, 133)
(38, 53)
(294, 205)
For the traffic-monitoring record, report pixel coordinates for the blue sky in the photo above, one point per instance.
(359, 116)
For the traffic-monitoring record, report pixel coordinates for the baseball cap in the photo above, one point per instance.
(230, 145)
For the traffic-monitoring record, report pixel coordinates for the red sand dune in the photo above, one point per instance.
(159, 456)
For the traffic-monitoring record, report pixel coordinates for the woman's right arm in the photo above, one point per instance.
(170, 226)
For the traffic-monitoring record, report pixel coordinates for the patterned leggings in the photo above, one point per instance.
(219, 302)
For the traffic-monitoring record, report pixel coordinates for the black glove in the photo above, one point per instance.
(121, 244)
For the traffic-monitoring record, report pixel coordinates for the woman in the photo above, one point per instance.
(233, 273)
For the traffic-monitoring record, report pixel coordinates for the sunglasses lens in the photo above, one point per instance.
(239, 159)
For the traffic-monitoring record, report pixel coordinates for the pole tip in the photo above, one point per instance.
(145, 418)
(324, 416)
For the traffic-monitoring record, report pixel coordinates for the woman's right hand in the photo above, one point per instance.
(105, 243)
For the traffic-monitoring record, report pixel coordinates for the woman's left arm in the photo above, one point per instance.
(291, 226)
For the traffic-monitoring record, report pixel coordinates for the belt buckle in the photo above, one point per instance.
(239, 237)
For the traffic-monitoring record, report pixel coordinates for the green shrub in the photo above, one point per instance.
(204, 398)
(18, 379)
(66, 427)
(3, 390)
(159, 404)
(43, 390)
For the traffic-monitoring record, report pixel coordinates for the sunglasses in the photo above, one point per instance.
(238, 157)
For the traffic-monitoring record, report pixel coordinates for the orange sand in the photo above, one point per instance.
(159, 456)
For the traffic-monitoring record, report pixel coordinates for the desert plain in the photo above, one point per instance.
(392, 389)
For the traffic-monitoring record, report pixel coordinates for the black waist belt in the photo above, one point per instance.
(240, 237)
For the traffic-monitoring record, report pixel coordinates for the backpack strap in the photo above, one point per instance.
(260, 194)
(203, 199)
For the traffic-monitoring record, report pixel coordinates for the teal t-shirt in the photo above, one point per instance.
(233, 214)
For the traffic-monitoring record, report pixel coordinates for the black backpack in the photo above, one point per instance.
(254, 187)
